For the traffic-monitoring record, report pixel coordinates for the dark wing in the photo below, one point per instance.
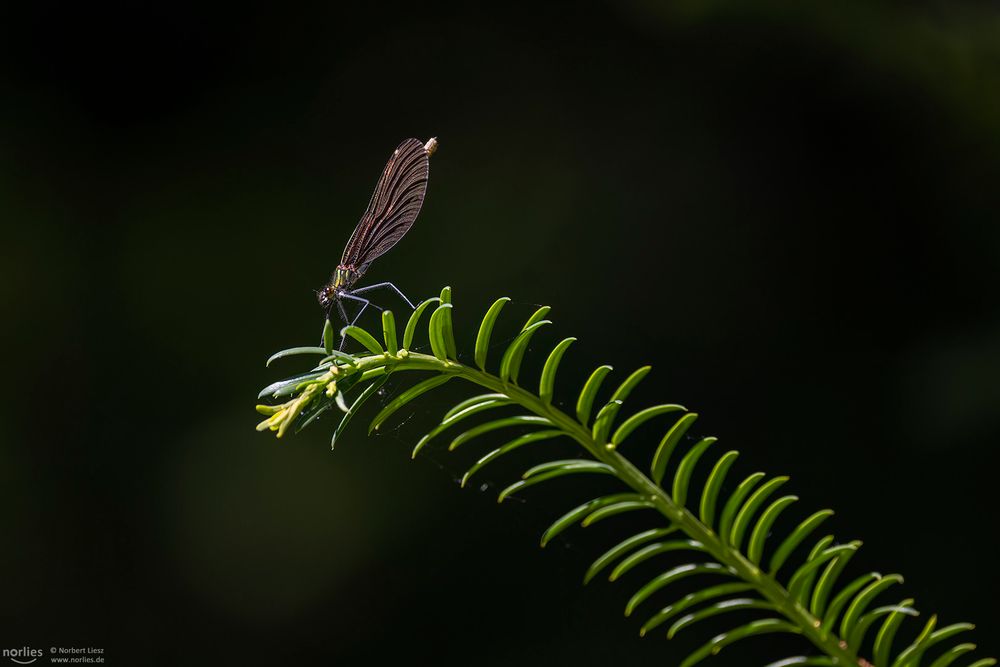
(393, 207)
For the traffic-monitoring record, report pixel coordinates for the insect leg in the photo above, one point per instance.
(390, 285)
(343, 316)
(365, 304)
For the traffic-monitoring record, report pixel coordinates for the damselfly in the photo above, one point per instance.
(390, 214)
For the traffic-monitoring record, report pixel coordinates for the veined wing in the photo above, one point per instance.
(393, 207)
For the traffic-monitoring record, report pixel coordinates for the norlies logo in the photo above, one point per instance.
(23, 655)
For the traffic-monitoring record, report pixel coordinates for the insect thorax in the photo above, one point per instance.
(344, 277)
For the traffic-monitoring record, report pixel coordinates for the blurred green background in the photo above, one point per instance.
(788, 209)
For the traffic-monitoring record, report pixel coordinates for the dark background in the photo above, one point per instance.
(788, 209)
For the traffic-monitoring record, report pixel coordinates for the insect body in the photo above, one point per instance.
(394, 206)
